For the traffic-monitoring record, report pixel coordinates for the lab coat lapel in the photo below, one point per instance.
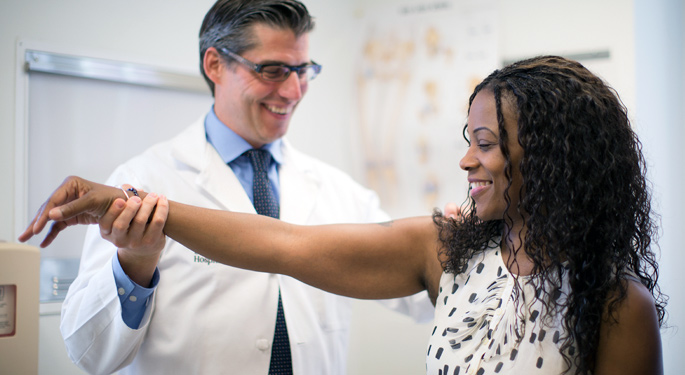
(214, 178)
(300, 186)
(223, 186)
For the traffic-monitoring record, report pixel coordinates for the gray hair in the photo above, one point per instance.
(228, 24)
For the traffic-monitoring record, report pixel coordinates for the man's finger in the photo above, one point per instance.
(159, 217)
(108, 218)
(122, 223)
(138, 227)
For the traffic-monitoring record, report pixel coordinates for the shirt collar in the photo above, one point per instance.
(230, 145)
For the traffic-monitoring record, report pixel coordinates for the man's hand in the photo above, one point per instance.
(136, 227)
(76, 201)
(136, 224)
(452, 211)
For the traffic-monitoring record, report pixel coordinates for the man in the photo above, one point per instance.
(180, 312)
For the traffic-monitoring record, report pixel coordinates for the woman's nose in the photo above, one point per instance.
(468, 161)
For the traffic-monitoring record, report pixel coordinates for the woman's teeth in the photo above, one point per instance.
(480, 184)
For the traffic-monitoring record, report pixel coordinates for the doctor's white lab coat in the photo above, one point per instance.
(205, 317)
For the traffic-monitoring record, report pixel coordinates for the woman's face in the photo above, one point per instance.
(485, 162)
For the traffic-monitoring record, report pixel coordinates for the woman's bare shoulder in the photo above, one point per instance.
(630, 339)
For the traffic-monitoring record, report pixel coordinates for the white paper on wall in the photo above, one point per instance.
(417, 67)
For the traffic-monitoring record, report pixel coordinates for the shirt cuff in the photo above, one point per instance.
(133, 297)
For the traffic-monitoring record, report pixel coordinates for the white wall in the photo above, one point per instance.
(660, 113)
(164, 33)
(535, 27)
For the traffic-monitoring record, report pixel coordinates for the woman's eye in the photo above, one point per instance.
(485, 146)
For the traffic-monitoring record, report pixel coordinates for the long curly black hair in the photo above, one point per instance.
(585, 197)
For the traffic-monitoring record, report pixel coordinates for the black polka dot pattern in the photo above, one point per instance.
(483, 325)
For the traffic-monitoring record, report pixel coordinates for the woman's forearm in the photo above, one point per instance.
(237, 239)
(356, 260)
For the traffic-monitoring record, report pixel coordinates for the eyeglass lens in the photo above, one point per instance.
(280, 73)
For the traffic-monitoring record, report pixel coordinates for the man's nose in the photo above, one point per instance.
(292, 88)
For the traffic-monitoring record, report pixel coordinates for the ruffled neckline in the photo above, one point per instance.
(493, 323)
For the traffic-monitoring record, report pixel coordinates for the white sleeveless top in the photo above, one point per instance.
(477, 328)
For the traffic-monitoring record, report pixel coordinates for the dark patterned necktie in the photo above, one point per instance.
(266, 204)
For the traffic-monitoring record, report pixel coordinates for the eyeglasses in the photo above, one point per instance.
(277, 72)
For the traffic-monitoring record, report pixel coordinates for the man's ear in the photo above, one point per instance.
(213, 65)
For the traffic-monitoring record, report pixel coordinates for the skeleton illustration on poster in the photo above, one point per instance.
(417, 65)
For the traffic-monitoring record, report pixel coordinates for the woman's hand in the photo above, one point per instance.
(75, 201)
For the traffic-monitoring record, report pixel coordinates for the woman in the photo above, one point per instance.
(549, 270)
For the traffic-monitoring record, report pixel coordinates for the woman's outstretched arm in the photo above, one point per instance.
(358, 260)
(363, 261)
